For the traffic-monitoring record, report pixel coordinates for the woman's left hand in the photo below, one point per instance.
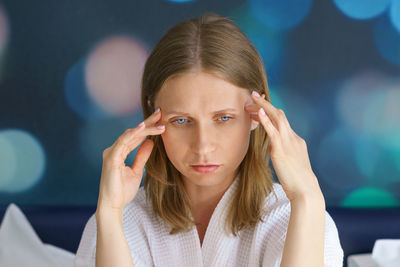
(288, 151)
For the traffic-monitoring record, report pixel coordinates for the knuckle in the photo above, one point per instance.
(105, 152)
(273, 134)
(301, 140)
(123, 145)
(111, 159)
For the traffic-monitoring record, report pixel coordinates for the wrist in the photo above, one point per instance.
(314, 200)
(105, 211)
(311, 194)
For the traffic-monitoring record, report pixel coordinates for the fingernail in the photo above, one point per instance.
(160, 127)
(157, 110)
(140, 124)
(248, 104)
(262, 111)
(256, 94)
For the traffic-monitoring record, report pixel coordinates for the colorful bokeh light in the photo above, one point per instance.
(280, 15)
(113, 74)
(22, 160)
(362, 9)
(387, 40)
(370, 197)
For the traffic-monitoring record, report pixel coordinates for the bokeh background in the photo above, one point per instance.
(70, 85)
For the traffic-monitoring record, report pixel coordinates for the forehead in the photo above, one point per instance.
(199, 90)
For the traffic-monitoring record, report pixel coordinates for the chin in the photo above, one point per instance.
(204, 179)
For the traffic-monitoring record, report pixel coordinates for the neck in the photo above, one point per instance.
(204, 199)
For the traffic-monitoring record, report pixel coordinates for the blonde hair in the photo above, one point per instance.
(213, 44)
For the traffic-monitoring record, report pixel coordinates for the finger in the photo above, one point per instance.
(149, 123)
(153, 118)
(147, 130)
(120, 146)
(130, 139)
(136, 139)
(142, 156)
(254, 116)
(274, 114)
(251, 106)
(253, 109)
(250, 102)
(272, 132)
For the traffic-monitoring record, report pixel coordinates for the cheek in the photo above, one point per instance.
(173, 142)
(235, 137)
(239, 134)
(242, 124)
(174, 148)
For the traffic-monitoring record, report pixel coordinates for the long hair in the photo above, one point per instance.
(213, 44)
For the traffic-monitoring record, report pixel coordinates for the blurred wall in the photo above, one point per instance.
(70, 85)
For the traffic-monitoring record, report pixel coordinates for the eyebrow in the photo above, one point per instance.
(187, 114)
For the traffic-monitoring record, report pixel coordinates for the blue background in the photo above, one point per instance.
(332, 66)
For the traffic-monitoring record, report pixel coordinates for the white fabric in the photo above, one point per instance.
(20, 245)
(361, 260)
(151, 244)
(386, 252)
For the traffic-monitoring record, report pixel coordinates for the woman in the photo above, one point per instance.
(207, 165)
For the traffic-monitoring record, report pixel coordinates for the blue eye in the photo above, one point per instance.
(178, 120)
(227, 118)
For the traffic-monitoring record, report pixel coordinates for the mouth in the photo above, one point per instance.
(205, 168)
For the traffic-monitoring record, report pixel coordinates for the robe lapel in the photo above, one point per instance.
(184, 249)
(217, 245)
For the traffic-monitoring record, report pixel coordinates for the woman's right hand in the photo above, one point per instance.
(119, 183)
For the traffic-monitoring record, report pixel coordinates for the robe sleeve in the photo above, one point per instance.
(333, 256)
(333, 252)
(134, 233)
(86, 253)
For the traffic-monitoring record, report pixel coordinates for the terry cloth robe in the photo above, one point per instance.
(151, 244)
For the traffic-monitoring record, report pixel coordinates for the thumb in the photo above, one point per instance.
(142, 156)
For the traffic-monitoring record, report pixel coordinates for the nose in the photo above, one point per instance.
(204, 139)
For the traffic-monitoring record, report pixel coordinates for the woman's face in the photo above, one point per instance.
(199, 131)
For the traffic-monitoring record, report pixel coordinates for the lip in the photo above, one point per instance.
(205, 168)
(204, 164)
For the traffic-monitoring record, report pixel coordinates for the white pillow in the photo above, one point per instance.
(360, 260)
(20, 245)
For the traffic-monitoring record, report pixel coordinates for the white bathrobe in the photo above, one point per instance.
(151, 244)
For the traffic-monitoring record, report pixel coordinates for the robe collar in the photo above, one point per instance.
(216, 244)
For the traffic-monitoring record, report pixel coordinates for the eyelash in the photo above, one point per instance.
(230, 118)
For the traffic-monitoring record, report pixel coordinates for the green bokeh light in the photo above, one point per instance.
(370, 197)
